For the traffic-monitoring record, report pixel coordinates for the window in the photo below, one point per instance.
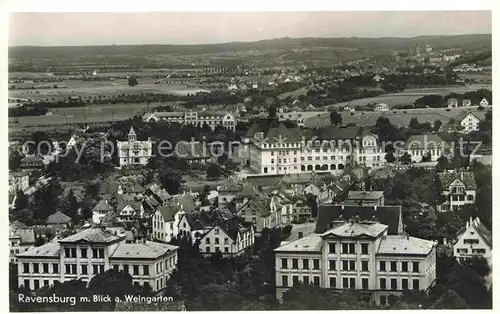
(68, 268)
(216, 240)
(145, 270)
(95, 269)
(352, 265)
(383, 300)
(136, 269)
(394, 284)
(94, 253)
(333, 264)
(284, 281)
(36, 268)
(416, 267)
(352, 248)
(84, 270)
(331, 248)
(364, 265)
(382, 265)
(55, 268)
(226, 241)
(364, 249)
(125, 269)
(305, 280)
(364, 283)
(45, 283)
(207, 249)
(73, 252)
(394, 266)
(333, 282)
(404, 267)
(352, 282)
(404, 283)
(305, 264)
(26, 267)
(45, 267)
(67, 252)
(315, 263)
(226, 250)
(316, 281)
(116, 267)
(284, 263)
(295, 280)
(345, 248)
(207, 241)
(83, 253)
(27, 283)
(295, 263)
(416, 284)
(383, 285)
(345, 265)
(37, 284)
(345, 283)
(471, 241)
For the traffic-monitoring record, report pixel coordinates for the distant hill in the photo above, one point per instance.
(476, 41)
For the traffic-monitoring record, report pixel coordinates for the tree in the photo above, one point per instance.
(21, 200)
(406, 159)
(442, 164)
(69, 206)
(389, 157)
(480, 265)
(222, 159)
(132, 81)
(112, 283)
(335, 117)
(312, 201)
(15, 160)
(213, 171)
(170, 180)
(427, 157)
(437, 125)
(414, 124)
(450, 300)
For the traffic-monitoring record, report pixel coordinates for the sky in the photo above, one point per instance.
(68, 29)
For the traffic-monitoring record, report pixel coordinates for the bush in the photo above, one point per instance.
(448, 109)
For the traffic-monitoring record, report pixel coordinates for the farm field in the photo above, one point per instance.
(408, 96)
(400, 118)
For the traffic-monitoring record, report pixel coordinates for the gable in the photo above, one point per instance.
(471, 233)
(456, 183)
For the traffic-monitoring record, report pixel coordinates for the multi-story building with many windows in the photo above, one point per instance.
(269, 147)
(93, 251)
(211, 119)
(474, 239)
(458, 189)
(133, 151)
(358, 255)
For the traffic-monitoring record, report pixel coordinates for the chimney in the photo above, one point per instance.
(470, 220)
(301, 235)
(445, 242)
(461, 175)
(467, 225)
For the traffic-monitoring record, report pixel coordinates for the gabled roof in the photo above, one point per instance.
(168, 211)
(58, 218)
(92, 235)
(259, 204)
(311, 243)
(462, 115)
(425, 141)
(365, 195)
(102, 206)
(273, 131)
(387, 215)
(481, 229)
(50, 249)
(446, 178)
(233, 226)
(356, 229)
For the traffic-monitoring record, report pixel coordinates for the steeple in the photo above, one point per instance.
(131, 134)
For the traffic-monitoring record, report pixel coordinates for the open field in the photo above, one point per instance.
(86, 89)
(408, 96)
(400, 118)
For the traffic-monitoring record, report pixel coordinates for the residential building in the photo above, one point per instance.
(21, 238)
(58, 220)
(377, 78)
(100, 211)
(458, 189)
(263, 212)
(484, 102)
(271, 148)
(85, 254)
(133, 151)
(466, 103)
(452, 103)
(32, 162)
(371, 198)
(212, 119)
(359, 255)
(296, 117)
(473, 240)
(421, 146)
(18, 181)
(166, 221)
(381, 107)
(467, 122)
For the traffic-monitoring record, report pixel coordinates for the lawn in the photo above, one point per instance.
(400, 118)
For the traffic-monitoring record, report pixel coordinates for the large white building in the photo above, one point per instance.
(468, 121)
(212, 119)
(134, 152)
(272, 148)
(358, 255)
(458, 189)
(473, 240)
(426, 145)
(92, 251)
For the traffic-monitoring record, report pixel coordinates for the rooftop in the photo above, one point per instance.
(355, 229)
(50, 249)
(402, 244)
(446, 178)
(142, 250)
(93, 235)
(311, 243)
(58, 218)
(365, 195)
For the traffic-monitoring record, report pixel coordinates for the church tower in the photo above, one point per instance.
(131, 135)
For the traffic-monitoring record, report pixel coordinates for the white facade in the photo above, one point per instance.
(376, 263)
(381, 107)
(212, 119)
(18, 181)
(470, 123)
(217, 240)
(473, 240)
(92, 251)
(484, 102)
(457, 193)
(166, 223)
(134, 152)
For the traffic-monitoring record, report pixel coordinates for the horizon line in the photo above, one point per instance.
(247, 42)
